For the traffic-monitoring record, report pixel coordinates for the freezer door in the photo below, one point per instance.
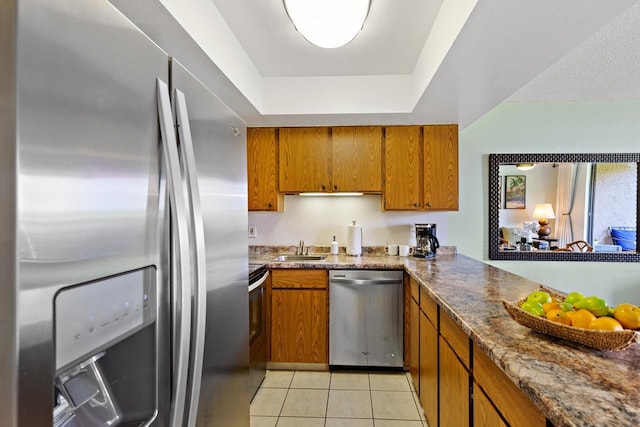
(83, 189)
(219, 147)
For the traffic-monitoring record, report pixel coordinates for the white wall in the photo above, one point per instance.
(317, 219)
(544, 128)
(541, 187)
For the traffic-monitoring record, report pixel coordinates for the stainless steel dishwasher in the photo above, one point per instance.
(366, 318)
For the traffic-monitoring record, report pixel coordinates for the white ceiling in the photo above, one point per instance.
(269, 37)
(415, 61)
(605, 67)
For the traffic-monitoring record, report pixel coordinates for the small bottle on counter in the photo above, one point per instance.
(334, 246)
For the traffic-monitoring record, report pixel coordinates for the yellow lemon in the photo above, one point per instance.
(606, 324)
(581, 318)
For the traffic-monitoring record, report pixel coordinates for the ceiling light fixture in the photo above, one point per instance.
(328, 23)
(525, 166)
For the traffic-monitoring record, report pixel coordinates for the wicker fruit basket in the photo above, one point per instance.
(601, 340)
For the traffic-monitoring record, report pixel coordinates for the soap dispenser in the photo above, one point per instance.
(334, 246)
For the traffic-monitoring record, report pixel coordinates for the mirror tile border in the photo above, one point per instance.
(494, 205)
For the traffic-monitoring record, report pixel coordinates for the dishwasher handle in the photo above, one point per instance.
(362, 282)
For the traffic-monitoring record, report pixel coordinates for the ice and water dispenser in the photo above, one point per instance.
(105, 352)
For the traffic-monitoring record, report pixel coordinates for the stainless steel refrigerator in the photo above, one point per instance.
(120, 303)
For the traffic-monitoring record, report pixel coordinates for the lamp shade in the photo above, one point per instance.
(544, 210)
(328, 23)
(525, 166)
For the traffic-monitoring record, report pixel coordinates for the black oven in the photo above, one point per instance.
(257, 332)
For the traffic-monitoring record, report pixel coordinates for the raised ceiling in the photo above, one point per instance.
(390, 42)
(415, 61)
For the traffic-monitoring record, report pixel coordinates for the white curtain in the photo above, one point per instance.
(567, 173)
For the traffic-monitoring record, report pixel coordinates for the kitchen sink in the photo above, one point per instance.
(285, 258)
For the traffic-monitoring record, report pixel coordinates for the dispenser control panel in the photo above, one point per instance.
(92, 316)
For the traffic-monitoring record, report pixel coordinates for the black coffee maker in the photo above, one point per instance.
(426, 241)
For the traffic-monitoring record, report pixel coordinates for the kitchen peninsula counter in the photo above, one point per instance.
(571, 384)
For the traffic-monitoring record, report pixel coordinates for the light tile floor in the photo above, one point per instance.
(336, 399)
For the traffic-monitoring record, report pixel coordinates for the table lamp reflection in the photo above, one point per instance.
(544, 212)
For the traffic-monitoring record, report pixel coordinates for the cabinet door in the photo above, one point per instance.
(440, 167)
(357, 159)
(414, 343)
(454, 388)
(512, 403)
(402, 166)
(484, 414)
(299, 326)
(429, 370)
(262, 170)
(305, 159)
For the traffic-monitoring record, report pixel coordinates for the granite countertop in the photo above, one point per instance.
(571, 384)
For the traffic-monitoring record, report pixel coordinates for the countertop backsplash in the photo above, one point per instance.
(366, 250)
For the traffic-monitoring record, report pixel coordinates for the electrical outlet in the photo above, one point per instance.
(253, 231)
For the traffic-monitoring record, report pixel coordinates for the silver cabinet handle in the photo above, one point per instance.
(199, 288)
(182, 273)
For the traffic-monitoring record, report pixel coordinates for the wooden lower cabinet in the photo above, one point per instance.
(414, 343)
(299, 316)
(454, 388)
(509, 400)
(484, 414)
(459, 385)
(429, 369)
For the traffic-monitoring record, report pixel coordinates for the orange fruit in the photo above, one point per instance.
(628, 315)
(558, 316)
(606, 323)
(571, 315)
(548, 306)
(581, 318)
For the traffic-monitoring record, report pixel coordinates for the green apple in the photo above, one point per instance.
(573, 297)
(541, 297)
(596, 305)
(533, 307)
(565, 306)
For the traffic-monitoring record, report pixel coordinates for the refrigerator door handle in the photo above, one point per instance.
(179, 219)
(199, 290)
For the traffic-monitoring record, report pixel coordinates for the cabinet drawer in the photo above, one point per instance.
(299, 279)
(456, 337)
(514, 406)
(429, 307)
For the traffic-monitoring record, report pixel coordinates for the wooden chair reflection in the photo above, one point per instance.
(577, 246)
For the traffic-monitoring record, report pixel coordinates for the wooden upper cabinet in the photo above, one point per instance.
(440, 167)
(305, 159)
(421, 167)
(262, 170)
(402, 168)
(357, 159)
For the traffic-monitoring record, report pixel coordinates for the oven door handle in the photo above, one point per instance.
(259, 283)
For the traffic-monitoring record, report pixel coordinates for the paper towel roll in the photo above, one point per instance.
(354, 239)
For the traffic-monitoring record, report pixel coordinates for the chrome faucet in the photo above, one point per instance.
(300, 249)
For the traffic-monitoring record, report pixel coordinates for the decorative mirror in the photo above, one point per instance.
(564, 207)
